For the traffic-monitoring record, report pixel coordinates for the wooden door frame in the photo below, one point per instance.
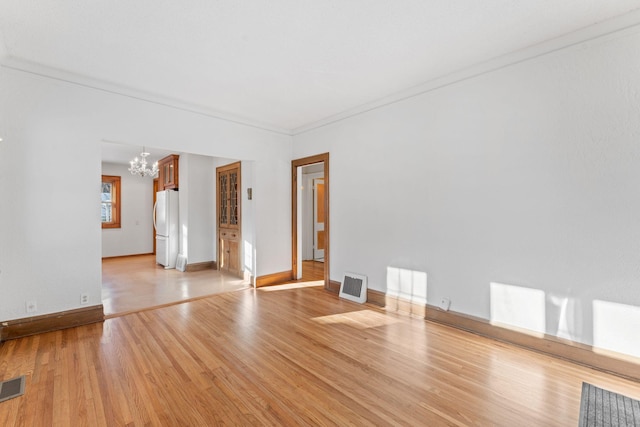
(314, 217)
(295, 164)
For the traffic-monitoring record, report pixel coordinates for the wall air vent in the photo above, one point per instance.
(11, 388)
(354, 287)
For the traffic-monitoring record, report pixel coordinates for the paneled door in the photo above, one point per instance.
(229, 218)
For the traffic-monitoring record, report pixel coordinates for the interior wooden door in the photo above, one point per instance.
(229, 218)
(318, 219)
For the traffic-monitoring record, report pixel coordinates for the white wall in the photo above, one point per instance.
(197, 208)
(527, 176)
(50, 168)
(249, 252)
(135, 236)
(272, 237)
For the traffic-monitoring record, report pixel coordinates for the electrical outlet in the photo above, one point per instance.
(31, 306)
(445, 303)
(84, 298)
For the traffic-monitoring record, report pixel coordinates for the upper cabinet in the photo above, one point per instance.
(168, 172)
(229, 196)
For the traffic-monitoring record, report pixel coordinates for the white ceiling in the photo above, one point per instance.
(282, 63)
(123, 153)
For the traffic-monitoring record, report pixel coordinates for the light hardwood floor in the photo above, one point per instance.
(312, 270)
(286, 355)
(135, 283)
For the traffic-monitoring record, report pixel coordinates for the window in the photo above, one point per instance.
(110, 199)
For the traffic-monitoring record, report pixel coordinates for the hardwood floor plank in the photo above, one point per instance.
(289, 356)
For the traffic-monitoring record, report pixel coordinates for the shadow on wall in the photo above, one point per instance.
(564, 317)
(532, 311)
(406, 290)
(528, 310)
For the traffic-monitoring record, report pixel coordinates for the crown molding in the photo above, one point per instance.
(628, 23)
(17, 64)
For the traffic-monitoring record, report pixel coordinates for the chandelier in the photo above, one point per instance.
(139, 166)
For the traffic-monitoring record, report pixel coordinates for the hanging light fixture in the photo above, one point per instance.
(139, 166)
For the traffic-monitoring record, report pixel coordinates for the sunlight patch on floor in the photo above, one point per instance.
(286, 286)
(362, 319)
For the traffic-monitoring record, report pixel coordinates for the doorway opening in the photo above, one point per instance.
(310, 218)
(132, 280)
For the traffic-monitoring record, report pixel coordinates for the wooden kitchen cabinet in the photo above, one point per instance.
(230, 251)
(229, 230)
(168, 172)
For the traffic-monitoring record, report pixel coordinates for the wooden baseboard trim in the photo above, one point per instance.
(376, 297)
(126, 256)
(18, 328)
(333, 286)
(395, 304)
(199, 266)
(615, 363)
(274, 278)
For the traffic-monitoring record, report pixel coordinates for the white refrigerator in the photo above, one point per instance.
(165, 221)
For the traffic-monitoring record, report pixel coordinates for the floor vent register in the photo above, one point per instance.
(354, 287)
(11, 388)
